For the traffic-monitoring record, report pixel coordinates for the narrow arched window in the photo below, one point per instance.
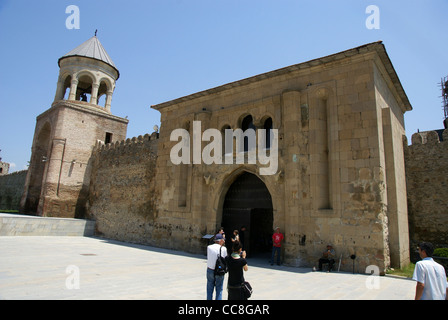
(269, 136)
(249, 137)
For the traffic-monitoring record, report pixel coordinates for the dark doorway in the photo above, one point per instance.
(248, 203)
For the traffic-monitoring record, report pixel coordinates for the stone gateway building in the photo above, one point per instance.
(335, 126)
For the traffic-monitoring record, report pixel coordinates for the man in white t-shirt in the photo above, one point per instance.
(213, 280)
(430, 276)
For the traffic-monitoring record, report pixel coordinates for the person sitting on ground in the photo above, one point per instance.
(327, 257)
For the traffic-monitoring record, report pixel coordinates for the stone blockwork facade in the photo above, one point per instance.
(11, 189)
(340, 177)
(427, 184)
(122, 190)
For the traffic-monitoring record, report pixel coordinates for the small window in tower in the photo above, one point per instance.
(108, 138)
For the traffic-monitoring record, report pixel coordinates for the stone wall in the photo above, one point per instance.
(121, 196)
(340, 175)
(427, 183)
(11, 189)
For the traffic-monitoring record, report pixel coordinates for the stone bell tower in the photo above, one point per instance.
(80, 116)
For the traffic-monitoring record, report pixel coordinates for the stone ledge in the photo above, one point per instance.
(20, 225)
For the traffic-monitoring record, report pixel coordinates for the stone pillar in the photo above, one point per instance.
(397, 208)
(109, 100)
(289, 222)
(73, 88)
(94, 96)
(59, 90)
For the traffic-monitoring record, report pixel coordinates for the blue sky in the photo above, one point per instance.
(166, 49)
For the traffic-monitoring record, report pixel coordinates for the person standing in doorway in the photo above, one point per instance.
(430, 276)
(242, 237)
(277, 239)
(214, 280)
(235, 237)
(222, 233)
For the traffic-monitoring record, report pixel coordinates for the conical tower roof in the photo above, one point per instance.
(93, 49)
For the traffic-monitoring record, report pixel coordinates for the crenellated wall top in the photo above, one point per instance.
(430, 137)
(120, 145)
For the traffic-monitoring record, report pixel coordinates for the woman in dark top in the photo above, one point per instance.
(236, 263)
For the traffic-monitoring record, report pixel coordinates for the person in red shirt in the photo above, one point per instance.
(277, 239)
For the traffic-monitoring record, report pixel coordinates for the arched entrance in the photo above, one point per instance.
(248, 203)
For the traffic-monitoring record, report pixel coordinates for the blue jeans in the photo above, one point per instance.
(278, 251)
(212, 282)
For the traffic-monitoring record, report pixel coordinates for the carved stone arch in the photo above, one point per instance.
(239, 120)
(82, 73)
(266, 116)
(64, 85)
(84, 89)
(255, 211)
(230, 178)
(105, 88)
(109, 84)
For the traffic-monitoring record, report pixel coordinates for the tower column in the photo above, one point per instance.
(109, 100)
(73, 88)
(94, 96)
(59, 90)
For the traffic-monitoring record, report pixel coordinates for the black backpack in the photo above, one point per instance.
(221, 265)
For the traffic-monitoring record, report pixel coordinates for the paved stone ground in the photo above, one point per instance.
(44, 268)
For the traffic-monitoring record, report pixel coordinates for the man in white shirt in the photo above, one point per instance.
(430, 276)
(212, 255)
